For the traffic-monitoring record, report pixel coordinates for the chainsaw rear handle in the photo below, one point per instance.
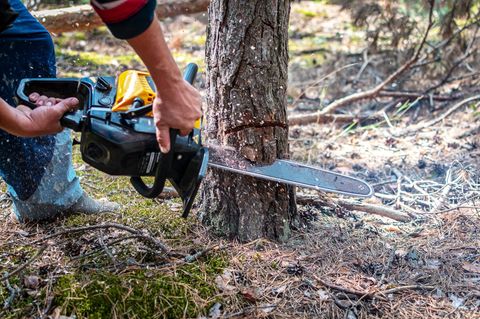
(58, 88)
(165, 164)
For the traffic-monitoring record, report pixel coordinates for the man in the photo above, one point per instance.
(38, 170)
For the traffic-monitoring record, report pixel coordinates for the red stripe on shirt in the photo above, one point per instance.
(121, 12)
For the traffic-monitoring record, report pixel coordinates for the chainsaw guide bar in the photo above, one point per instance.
(292, 173)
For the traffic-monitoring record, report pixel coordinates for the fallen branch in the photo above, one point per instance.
(23, 266)
(330, 118)
(402, 288)
(414, 95)
(13, 293)
(421, 126)
(374, 209)
(362, 294)
(351, 205)
(376, 90)
(84, 18)
(150, 239)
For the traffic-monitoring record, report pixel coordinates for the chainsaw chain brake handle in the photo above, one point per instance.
(165, 164)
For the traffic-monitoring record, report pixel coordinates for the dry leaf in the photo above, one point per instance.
(31, 282)
(249, 295)
(222, 281)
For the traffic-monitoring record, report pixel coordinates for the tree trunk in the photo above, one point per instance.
(247, 62)
(83, 18)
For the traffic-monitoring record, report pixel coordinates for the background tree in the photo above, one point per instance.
(247, 62)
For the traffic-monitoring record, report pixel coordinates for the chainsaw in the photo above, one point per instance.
(117, 136)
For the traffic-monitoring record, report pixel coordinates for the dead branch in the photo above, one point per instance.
(106, 249)
(413, 95)
(421, 126)
(351, 205)
(23, 266)
(83, 18)
(13, 293)
(376, 90)
(456, 64)
(331, 118)
(362, 294)
(374, 209)
(150, 239)
(402, 288)
(201, 253)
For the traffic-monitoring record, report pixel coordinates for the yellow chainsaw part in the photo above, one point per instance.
(133, 84)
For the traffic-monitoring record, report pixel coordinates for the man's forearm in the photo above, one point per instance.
(154, 52)
(10, 118)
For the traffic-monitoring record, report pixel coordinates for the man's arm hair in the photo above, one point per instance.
(126, 18)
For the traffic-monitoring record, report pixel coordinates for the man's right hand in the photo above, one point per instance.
(178, 106)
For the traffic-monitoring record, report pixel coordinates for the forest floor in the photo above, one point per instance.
(341, 264)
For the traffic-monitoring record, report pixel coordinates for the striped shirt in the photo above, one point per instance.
(126, 18)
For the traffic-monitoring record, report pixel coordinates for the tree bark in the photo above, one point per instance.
(247, 61)
(84, 18)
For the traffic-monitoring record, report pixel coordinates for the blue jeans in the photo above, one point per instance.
(38, 171)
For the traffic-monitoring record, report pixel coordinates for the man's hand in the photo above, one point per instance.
(43, 120)
(178, 104)
(177, 109)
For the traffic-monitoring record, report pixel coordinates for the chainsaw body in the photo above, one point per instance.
(118, 134)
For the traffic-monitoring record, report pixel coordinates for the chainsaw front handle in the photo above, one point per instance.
(165, 164)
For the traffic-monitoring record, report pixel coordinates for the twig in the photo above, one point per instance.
(459, 207)
(443, 196)
(11, 297)
(331, 118)
(415, 95)
(107, 251)
(402, 288)
(444, 115)
(197, 255)
(22, 267)
(387, 268)
(317, 82)
(362, 294)
(166, 250)
(455, 65)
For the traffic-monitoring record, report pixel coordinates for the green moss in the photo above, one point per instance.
(23, 305)
(306, 13)
(187, 292)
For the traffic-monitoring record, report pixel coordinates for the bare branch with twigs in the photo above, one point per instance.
(376, 90)
(141, 235)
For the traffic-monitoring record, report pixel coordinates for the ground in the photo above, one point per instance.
(340, 264)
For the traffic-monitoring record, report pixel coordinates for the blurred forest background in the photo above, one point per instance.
(387, 91)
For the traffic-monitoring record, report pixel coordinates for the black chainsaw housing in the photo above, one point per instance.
(124, 144)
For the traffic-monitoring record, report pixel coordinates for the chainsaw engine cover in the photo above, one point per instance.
(118, 141)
